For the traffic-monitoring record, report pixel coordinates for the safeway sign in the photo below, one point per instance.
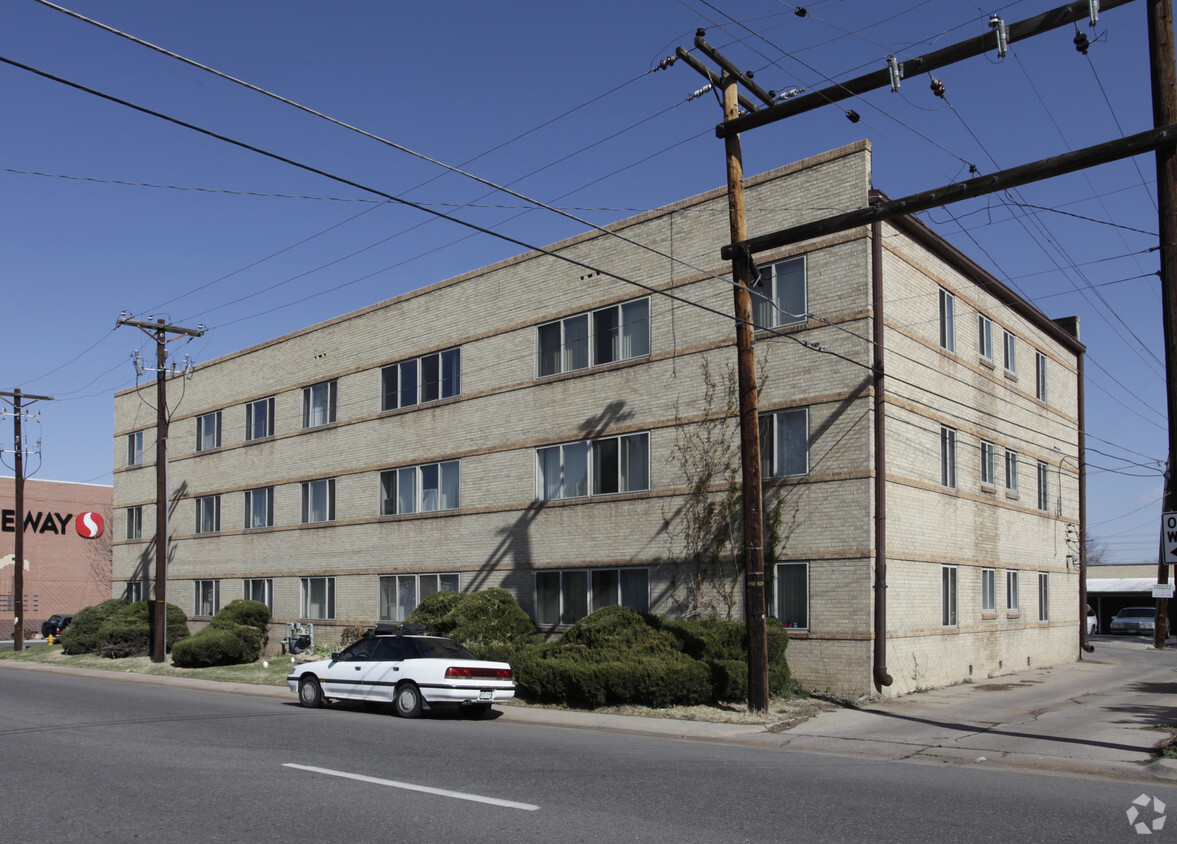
(1169, 536)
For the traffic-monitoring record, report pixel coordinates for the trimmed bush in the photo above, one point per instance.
(254, 613)
(434, 611)
(128, 631)
(81, 637)
(546, 675)
(225, 644)
(489, 623)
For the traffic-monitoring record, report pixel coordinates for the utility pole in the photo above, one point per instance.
(1164, 111)
(159, 330)
(18, 549)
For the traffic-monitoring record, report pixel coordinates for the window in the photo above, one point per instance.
(1043, 487)
(1011, 590)
(594, 467)
(1011, 471)
(135, 522)
(133, 592)
(317, 598)
(988, 590)
(563, 597)
(208, 514)
(260, 589)
(947, 321)
(1043, 596)
(620, 332)
(948, 596)
(208, 598)
(948, 457)
(135, 449)
(1040, 376)
(985, 337)
(419, 489)
(401, 593)
(987, 451)
(318, 501)
(259, 419)
(784, 443)
(779, 295)
(208, 431)
(1009, 360)
(792, 594)
(318, 404)
(259, 507)
(424, 379)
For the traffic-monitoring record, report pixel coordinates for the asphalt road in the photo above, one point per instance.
(88, 759)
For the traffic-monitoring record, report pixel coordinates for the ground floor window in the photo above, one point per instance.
(208, 598)
(400, 593)
(948, 596)
(792, 594)
(1043, 596)
(317, 598)
(988, 589)
(564, 597)
(260, 589)
(134, 591)
(1011, 590)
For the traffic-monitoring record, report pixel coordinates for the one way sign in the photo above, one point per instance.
(1169, 536)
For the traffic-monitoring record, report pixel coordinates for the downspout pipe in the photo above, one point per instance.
(1084, 644)
(881, 677)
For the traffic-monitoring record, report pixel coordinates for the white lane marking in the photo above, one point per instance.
(458, 795)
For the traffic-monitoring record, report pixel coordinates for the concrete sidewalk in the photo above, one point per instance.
(1096, 717)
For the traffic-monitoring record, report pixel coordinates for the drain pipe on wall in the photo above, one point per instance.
(881, 677)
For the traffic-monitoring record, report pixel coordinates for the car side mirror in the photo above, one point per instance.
(335, 657)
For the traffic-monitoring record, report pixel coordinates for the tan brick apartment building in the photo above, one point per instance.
(519, 426)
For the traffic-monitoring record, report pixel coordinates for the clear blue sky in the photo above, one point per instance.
(558, 101)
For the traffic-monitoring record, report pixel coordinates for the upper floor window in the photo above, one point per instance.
(259, 419)
(135, 448)
(419, 489)
(424, 379)
(619, 332)
(208, 514)
(135, 522)
(318, 501)
(779, 295)
(208, 431)
(948, 457)
(985, 337)
(594, 467)
(947, 320)
(1043, 487)
(1011, 471)
(784, 443)
(259, 507)
(987, 452)
(1040, 376)
(318, 404)
(1009, 353)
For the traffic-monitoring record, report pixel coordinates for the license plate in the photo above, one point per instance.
(486, 695)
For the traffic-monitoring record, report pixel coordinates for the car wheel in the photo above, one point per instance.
(474, 711)
(407, 701)
(310, 693)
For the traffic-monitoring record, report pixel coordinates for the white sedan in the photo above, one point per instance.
(412, 672)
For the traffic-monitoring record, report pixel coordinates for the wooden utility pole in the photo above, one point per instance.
(1164, 111)
(754, 609)
(18, 548)
(159, 330)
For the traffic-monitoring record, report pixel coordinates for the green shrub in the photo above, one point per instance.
(225, 644)
(489, 623)
(81, 637)
(548, 674)
(254, 613)
(128, 631)
(433, 613)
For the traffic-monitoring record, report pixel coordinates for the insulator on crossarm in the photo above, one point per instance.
(938, 87)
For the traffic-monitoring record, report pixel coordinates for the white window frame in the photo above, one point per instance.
(266, 493)
(207, 596)
(135, 522)
(947, 320)
(785, 297)
(307, 597)
(947, 457)
(1043, 596)
(771, 457)
(1009, 359)
(1043, 487)
(135, 448)
(593, 338)
(208, 431)
(252, 587)
(985, 337)
(792, 610)
(988, 453)
(1011, 590)
(948, 593)
(1011, 471)
(133, 591)
(208, 514)
(427, 484)
(1039, 376)
(423, 390)
(570, 604)
(397, 591)
(311, 490)
(266, 406)
(319, 402)
(989, 590)
(594, 479)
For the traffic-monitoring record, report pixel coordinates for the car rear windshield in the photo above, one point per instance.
(1137, 612)
(428, 648)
